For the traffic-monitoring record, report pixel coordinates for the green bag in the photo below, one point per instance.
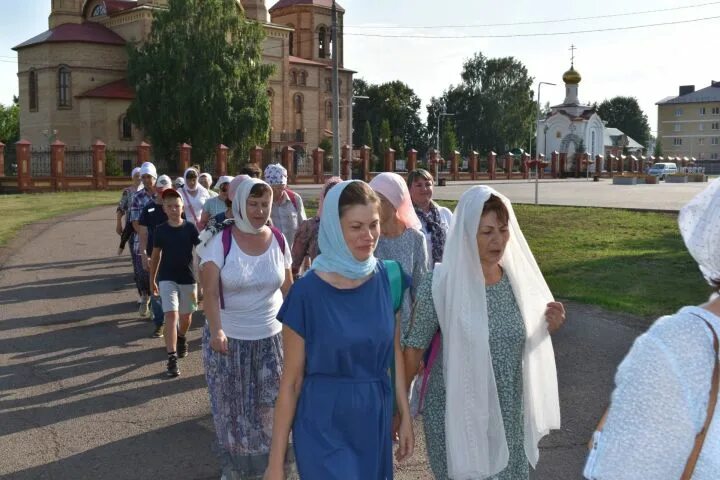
(395, 276)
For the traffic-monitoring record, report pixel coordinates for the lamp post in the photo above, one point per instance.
(537, 163)
(437, 143)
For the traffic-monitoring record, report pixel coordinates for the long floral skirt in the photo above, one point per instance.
(243, 387)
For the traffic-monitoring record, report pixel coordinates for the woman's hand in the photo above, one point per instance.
(119, 228)
(407, 439)
(555, 316)
(155, 290)
(274, 474)
(219, 342)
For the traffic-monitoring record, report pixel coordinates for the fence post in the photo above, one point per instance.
(563, 165)
(99, 173)
(221, 159)
(2, 159)
(509, 161)
(598, 165)
(365, 156)
(411, 160)
(143, 153)
(288, 155)
(346, 164)
(185, 154)
(554, 163)
(621, 164)
(318, 156)
(22, 149)
(524, 167)
(389, 160)
(454, 165)
(256, 156)
(57, 165)
(541, 166)
(473, 165)
(492, 165)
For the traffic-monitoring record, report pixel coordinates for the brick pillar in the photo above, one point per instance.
(57, 164)
(22, 149)
(580, 160)
(598, 165)
(221, 160)
(611, 165)
(509, 161)
(288, 157)
(365, 158)
(621, 164)
(554, 163)
(318, 156)
(434, 163)
(389, 160)
(256, 156)
(491, 159)
(541, 165)
(411, 160)
(185, 154)
(473, 165)
(455, 165)
(346, 170)
(2, 159)
(524, 167)
(143, 154)
(99, 174)
(563, 164)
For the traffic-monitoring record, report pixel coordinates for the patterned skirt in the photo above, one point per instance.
(243, 386)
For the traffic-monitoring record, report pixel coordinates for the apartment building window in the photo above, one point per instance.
(701, 141)
(714, 156)
(677, 127)
(701, 156)
(715, 126)
(716, 110)
(701, 126)
(677, 141)
(715, 141)
(678, 112)
(702, 111)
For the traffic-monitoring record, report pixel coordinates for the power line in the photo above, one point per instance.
(536, 34)
(536, 22)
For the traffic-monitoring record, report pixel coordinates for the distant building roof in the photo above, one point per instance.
(305, 61)
(114, 6)
(613, 136)
(88, 32)
(292, 3)
(117, 90)
(707, 94)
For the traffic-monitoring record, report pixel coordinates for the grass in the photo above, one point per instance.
(16, 211)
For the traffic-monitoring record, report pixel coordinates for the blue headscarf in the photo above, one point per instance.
(335, 255)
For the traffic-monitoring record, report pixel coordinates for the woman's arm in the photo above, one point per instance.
(204, 219)
(210, 275)
(154, 265)
(407, 438)
(286, 403)
(411, 363)
(300, 247)
(285, 288)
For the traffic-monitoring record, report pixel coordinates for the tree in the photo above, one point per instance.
(367, 135)
(384, 137)
(10, 123)
(658, 147)
(625, 113)
(200, 79)
(449, 141)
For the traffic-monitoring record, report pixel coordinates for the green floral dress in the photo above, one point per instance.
(507, 341)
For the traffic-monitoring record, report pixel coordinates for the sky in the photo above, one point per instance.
(647, 63)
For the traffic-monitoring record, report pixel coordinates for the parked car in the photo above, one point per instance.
(662, 169)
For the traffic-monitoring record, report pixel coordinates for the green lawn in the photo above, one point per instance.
(16, 211)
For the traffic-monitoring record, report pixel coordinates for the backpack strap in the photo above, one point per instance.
(227, 244)
(293, 198)
(279, 237)
(433, 351)
(395, 275)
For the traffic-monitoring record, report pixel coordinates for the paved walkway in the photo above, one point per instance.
(83, 393)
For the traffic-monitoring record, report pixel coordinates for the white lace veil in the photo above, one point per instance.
(475, 435)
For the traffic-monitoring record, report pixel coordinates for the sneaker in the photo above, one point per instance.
(182, 347)
(172, 367)
(144, 310)
(158, 332)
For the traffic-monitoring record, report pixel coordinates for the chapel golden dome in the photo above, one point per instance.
(572, 76)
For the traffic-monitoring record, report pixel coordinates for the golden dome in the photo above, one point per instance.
(572, 77)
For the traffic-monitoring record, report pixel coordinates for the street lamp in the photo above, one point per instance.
(537, 140)
(437, 143)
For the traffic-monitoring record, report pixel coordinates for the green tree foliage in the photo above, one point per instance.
(658, 148)
(625, 113)
(10, 123)
(395, 102)
(384, 137)
(367, 137)
(200, 79)
(449, 142)
(493, 105)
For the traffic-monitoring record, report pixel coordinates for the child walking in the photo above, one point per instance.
(171, 275)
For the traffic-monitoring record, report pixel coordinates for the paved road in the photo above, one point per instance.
(664, 196)
(82, 388)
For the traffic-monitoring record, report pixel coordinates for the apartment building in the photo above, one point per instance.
(689, 124)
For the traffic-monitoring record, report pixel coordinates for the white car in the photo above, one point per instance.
(660, 170)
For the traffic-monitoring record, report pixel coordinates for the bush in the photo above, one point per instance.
(112, 166)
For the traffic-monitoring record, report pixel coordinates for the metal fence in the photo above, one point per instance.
(712, 167)
(11, 167)
(303, 164)
(40, 162)
(78, 162)
(126, 159)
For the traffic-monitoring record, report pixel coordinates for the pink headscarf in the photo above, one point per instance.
(393, 187)
(329, 183)
(232, 187)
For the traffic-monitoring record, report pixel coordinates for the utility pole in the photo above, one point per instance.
(335, 91)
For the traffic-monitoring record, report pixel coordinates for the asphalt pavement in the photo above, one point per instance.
(83, 392)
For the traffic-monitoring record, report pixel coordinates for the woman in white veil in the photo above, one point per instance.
(493, 391)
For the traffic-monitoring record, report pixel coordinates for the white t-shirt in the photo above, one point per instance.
(197, 202)
(251, 288)
(445, 218)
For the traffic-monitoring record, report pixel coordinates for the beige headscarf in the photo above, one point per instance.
(699, 223)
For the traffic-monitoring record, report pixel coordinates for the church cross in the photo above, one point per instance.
(572, 54)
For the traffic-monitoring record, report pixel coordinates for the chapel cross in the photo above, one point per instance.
(572, 54)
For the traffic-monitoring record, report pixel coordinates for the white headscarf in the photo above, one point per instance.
(393, 187)
(475, 435)
(699, 223)
(239, 205)
(197, 183)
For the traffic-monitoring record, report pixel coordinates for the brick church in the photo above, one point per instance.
(73, 82)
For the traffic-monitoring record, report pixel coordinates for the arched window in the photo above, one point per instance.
(99, 11)
(328, 85)
(33, 90)
(293, 78)
(125, 128)
(328, 110)
(322, 42)
(64, 87)
(303, 78)
(298, 103)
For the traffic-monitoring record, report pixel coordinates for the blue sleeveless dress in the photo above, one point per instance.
(343, 418)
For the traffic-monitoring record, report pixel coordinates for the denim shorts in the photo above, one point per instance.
(178, 298)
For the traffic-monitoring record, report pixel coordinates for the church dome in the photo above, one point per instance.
(572, 77)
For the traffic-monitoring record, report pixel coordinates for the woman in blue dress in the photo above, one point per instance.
(339, 336)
